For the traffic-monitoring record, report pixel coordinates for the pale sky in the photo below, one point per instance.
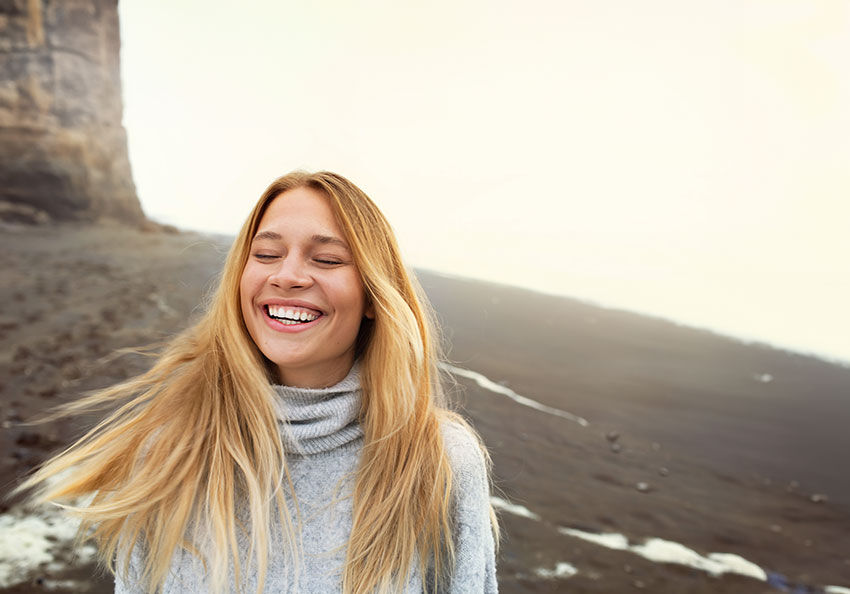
(685, 159)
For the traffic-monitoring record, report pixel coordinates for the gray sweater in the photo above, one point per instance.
(321, 426)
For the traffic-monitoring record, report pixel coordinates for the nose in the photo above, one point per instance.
(292, 273)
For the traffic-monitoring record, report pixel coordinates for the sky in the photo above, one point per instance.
(689, 160)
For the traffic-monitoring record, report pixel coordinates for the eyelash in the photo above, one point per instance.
(318, 260)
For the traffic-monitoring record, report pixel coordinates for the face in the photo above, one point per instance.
(301, 294)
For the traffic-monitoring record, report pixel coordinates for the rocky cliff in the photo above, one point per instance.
(63, 149)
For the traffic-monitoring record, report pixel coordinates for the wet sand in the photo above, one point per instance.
(697, 439)
(741, 448)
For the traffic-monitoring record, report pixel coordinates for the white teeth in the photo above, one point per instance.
(291, 316)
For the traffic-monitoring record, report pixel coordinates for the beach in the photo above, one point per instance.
(629, 452)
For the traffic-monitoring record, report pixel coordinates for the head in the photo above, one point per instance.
(313, 272)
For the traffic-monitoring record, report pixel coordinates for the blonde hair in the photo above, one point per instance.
(198, 431)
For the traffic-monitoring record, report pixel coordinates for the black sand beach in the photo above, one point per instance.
(693, 438)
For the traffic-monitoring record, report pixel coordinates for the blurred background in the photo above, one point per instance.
(684, 159)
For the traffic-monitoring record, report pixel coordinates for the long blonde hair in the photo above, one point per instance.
(198, 432)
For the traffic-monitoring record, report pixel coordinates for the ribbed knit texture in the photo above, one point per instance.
(323, 442)
(321, 419)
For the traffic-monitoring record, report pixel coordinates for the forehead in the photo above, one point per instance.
(301, 211)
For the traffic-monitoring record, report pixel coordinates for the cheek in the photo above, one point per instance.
(352, 295)
(247, 289)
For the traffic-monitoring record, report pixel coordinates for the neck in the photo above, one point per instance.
(317, 376)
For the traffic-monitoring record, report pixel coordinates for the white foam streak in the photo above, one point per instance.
(489, 384)
(37, 540)
(513, 508)
(737, 564)
(665, 551)
(609, 540)
(561, 571)
(836, 590)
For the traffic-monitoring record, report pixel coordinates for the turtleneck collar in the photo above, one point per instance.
(315, 420)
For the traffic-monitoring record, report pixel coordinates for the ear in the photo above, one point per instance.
(369, 312)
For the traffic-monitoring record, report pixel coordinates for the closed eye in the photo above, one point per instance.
(328, 261)
(265, 256)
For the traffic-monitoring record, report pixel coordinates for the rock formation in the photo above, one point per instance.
(63, 149)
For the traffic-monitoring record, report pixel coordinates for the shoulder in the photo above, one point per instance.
(467, 458)
(460, 442)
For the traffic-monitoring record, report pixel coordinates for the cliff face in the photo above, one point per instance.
(63, 149)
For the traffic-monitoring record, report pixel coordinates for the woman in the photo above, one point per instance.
(293, 439)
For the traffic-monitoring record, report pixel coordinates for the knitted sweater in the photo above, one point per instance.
(320, 425)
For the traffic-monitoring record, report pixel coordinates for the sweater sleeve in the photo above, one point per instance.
(475, 560)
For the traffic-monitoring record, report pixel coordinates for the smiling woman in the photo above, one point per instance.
(295, 439)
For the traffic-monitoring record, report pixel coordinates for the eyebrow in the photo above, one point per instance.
(326, 239)
(318, 238)
(267, 235)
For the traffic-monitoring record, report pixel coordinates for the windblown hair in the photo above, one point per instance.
(197, 434)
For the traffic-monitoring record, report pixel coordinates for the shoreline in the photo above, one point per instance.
(602, 305)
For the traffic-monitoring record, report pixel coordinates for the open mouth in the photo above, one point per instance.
(291, 316)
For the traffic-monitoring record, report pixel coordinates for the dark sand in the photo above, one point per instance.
(730, 462)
